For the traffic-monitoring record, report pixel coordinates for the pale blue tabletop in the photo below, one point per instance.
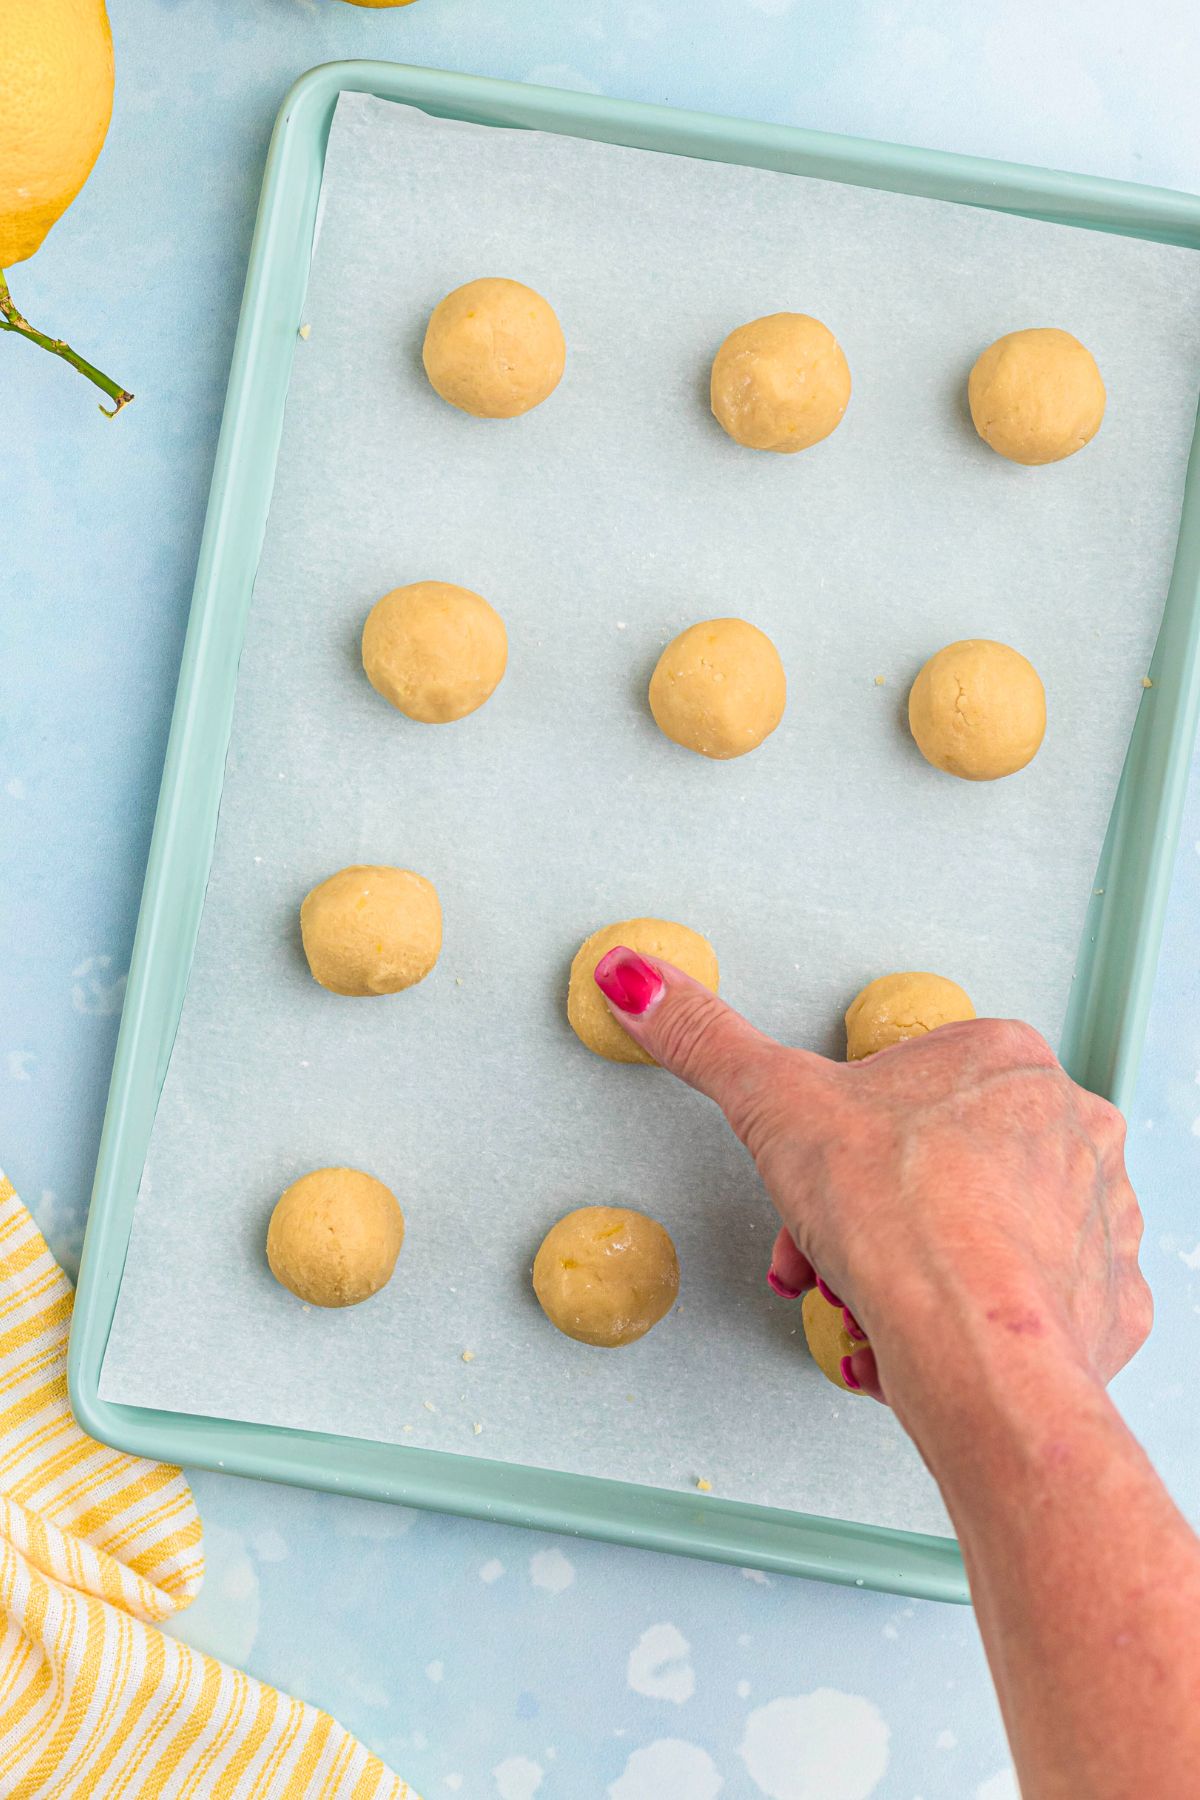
(480, 1660)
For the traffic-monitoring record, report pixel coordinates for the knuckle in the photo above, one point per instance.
(1109, 1123)
(685, 1031)
(1140, 1308)
(762, 1102)
(1006, 1043)
(1023, 1043)
(755, 1116)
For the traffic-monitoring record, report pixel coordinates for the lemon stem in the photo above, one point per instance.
(12, 320)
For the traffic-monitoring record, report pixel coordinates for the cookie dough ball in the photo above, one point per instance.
(827, 1338)
(494, 348)
(587, 1008)
(978, 710)
(371, 930)
(334, 1237)
(895, 1007)
(606, 1274)
(719, 688)
(436, 651)
(780, 383)
(1036, 396)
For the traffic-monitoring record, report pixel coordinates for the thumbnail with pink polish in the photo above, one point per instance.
(628, 981)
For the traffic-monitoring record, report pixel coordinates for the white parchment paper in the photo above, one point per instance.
(600, 525)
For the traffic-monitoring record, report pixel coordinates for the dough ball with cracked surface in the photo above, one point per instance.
(587, 1009)
(605, 1274)
(719, 688)
(371, 930)
(827, 1338)
(978, 710)
(334, 1237)
(893, 1008)
(494, 348)
(780, 383)
(436, 651)
(1036, 396)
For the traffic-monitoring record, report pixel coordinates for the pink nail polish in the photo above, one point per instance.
(852, 1325)
(848, 1376)
(828, 1292)
(781, 1287)
(628, 980)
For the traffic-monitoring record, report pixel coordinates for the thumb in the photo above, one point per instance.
(686, 1028)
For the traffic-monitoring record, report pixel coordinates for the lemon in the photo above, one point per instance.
(56, 93)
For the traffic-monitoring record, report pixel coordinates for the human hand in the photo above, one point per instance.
(959, 1193)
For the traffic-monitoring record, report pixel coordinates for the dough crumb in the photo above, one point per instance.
(468, 1356)
(705, 1487)
(429, 1406)
(406, 1428)
(477, 1428)
(881, 681)
(458, 981)
(1146, 682)
(305, 331)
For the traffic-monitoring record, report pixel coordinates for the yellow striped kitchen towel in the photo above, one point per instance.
(95, 1548)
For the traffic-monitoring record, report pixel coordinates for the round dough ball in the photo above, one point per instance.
(436, 651)
(827, 1338)
(587, 1008)
(780, 383)
(494, 348)
(978, 710)
(1036, 396)
(371, 930)
(895, 1007)
(606, 1274)
(334, 1237)
(719, 688)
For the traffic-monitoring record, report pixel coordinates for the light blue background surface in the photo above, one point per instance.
(478, 1660)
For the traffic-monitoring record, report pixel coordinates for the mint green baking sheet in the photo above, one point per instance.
(1104, 1024)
